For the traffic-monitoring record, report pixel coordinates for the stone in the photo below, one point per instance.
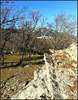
(72, 50)
(52, 81)
(26, 66)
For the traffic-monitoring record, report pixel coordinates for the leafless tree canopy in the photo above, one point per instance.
(18, 27)
(64, 23)
(64, 26)
(10, 17)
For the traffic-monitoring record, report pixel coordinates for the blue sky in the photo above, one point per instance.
(50, 8)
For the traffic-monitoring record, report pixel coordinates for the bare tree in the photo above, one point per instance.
(27, 26)
(43, 22)
(63, 26)
(64, 23)
(39, 46)
(9, 17)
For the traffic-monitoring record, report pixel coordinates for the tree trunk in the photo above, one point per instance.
(55, 47)
(36, 53)
(2, 56)
(21, 57)
(28, 54)
(13, 49)
(2, 59)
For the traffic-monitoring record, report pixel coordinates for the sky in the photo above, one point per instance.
(50, 8)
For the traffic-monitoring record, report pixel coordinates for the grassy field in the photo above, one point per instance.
(12, 60)
(25, 73)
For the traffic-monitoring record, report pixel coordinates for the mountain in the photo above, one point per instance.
(49, 32)
(43, 31)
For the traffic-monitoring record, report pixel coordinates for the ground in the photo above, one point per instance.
(13, 76)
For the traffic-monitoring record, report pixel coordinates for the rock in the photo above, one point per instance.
(72, 50)
(52, 80)
(26, 66)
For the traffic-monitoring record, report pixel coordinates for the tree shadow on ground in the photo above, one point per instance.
(36, 63)
(21, 64)
(5, 66)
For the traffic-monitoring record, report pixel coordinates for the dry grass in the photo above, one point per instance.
(13, 59)
(16, 57)
(23, 73)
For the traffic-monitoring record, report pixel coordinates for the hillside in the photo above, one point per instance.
(43, 31)
(48, 32)
(57, 79)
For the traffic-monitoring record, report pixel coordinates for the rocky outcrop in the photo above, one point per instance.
(57, 79)
(72, 50)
